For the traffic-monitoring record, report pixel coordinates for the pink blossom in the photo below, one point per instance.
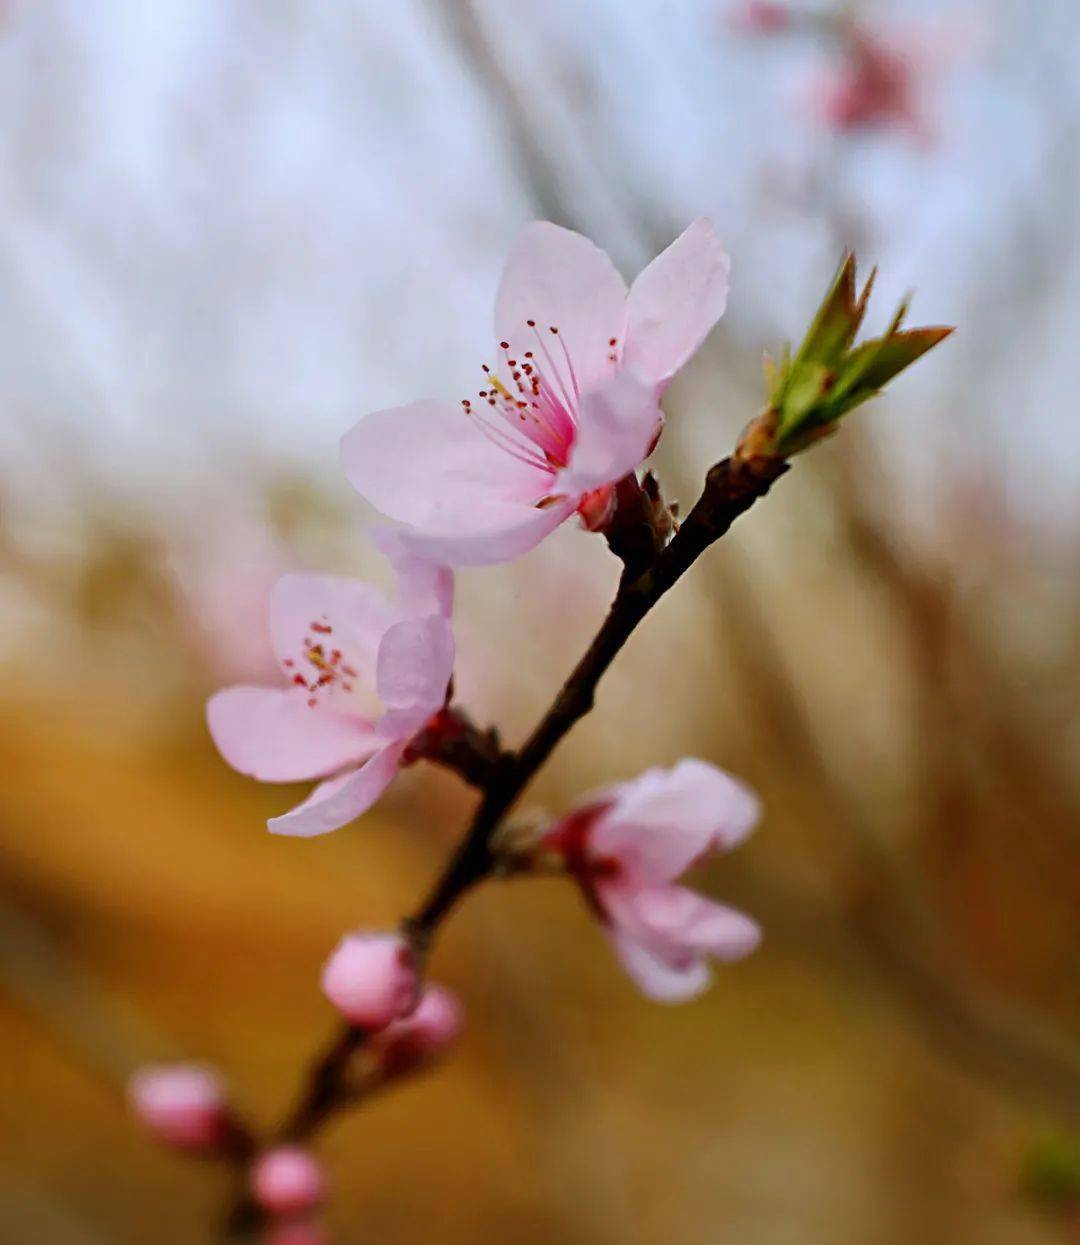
(288, 1181)
(760, 17)
(570, 407)
(423, 1035)
(882, 81)
(372, 979)
(181, 1104)
(364, 676)
(626, 847)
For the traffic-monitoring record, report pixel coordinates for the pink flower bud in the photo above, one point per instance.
(422, 1036)
(371, 979)
(181, 1104)
(288, 1181)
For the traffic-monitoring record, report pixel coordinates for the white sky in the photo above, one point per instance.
(228, 226)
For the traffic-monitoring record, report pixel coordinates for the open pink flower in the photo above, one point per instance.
(570, 408)
(626, 847)
(364, 676)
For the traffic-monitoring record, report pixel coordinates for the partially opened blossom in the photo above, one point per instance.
(288, 1181)
(627, 846)
(569, 407)
(363, 676)
(372, 979)
(183, 1105)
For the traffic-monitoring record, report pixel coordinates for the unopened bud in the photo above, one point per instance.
(422, 1036)
(288, 1181)
(181, 1104)
(371, 979)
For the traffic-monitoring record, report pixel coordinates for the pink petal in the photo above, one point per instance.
(274, 736)
(419, 462)
(661, 822)
(495, 533)
(357, 612)
(416, 660)
(423, 587)
(617, 426)
(674, 303)
(657, 978)
(556, 277)
(676, 921)
(338, 801)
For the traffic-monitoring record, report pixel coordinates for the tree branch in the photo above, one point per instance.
(731, 487)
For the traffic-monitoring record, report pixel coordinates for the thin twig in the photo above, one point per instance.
(731, 487)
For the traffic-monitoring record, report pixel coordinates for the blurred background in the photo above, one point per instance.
(228, 227)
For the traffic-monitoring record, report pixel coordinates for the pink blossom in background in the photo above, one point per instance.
(887, 78)
(423, 1035)
(569, 409)
(759, 17)
(364, 676)
(626, 847)
(372, 979)
(183, 1105)
(288, 1181)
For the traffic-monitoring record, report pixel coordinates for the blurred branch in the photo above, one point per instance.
(912, 953)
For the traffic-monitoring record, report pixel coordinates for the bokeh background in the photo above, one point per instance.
(227, 227)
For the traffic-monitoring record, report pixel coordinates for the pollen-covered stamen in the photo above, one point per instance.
(322, 665)
(556, 387)
(535, 397)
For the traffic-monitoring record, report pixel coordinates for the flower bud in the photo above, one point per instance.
(371, 979)
(181, 1104)
(287, 1181)
(421, 1036)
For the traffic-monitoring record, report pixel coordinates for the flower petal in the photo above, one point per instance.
(675, 920)
(416, 660)
(275, 736)
(416, 462)
(618, 424)
(423, 587)
(658, 824)
(656, 977)
(302, 607)
(338, 801)
(558, 278)
(497, 533)
(674, 303)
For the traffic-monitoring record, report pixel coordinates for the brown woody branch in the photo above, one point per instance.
(650, 570)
